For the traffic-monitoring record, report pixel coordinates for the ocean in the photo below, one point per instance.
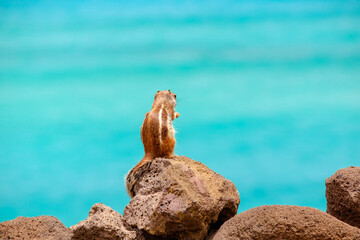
(268, 95)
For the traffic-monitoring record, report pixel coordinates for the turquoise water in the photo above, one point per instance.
(268, 92)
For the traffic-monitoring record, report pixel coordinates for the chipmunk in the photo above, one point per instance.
(157, 133)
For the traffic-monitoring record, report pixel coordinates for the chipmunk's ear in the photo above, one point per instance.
(169, 91)
(156, 95)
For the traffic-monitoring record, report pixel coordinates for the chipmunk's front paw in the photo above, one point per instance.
(177, 115)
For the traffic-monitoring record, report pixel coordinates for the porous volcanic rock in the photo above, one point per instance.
(104, 223)
(285, 222)
(180, 198)
(39, 228)
(343, 195)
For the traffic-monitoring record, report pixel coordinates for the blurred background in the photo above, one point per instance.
(268, 92)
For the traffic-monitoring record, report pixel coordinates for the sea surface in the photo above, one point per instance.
(268, 96)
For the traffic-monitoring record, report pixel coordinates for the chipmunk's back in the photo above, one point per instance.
(157, 132)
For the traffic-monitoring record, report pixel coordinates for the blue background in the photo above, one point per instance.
(268, 92)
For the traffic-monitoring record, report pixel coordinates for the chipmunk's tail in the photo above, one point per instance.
(129, 183)
(133, 175)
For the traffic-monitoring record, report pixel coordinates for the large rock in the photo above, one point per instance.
(104, 223)
(343, 195)
(180, 198)
(285, 222)
(39, 228)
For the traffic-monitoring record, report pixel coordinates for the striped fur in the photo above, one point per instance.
(157, 133)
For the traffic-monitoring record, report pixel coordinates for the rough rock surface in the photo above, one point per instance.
(180, 198)
(104, 223)
(285, 222)
(343, 195)
(42, 227)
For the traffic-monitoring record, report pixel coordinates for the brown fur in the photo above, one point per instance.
(157, 133)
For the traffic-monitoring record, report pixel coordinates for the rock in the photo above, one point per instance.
(180, 198)
(104, 223)
(285, 222)
(343, 195)
(42, 227)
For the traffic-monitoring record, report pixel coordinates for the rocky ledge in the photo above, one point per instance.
(180, 198)
(343, 195)
(285, 222)
(42, 227)
(104, 223)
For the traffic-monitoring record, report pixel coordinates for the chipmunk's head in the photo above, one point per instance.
(165, 96)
